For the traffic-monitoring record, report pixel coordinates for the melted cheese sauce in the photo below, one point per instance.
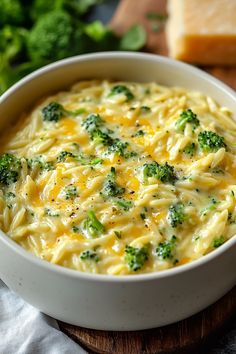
(63, 181)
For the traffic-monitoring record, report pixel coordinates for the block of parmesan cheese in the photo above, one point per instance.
(202, 31)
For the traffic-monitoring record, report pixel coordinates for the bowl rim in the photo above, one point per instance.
(60, 270)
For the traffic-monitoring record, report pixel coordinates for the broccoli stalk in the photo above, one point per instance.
(187, 117)
(10, 167)
(92, 225)
(54, 111)
(136, 257)
(210, 141)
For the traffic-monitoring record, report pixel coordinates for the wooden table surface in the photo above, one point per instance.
(187, 335)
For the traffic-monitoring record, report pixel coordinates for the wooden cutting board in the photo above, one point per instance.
(187, 335)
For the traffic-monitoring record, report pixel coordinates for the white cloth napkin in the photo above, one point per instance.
(24, 330)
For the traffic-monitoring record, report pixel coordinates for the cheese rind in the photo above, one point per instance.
(202, 31)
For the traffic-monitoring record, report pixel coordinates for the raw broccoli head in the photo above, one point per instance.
(51, 37)
(9, 169)
(187, 117)
(210, 141)
(11, 12)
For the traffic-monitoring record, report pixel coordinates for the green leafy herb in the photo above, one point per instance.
(187, 117)
(134, 39)
(92, 225)
(136, 257)
(176, 215)
(165, 250)
(210, 141)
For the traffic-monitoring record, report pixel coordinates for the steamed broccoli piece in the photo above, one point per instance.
(92, 122)
(165, 173)
(124, 204)
(62, 157)
(70, 192)
(100, 137)
(136, 257)
(10, 167)
(118, 147)
(51, 37)
(187, 117)
(176, 215)
(165, 249)
(121, 89)
(54, 111)
(92, 225)
(89, 255)
(190, 149)
(38, 162)
(11, 12)
(217, 242)
(110, 187)
(210, 141)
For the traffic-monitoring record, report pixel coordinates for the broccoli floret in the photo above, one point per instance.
(51, 37)
(100, 137)
(92, 122)
(187, 117)
(54, 111)
(38, 162)
(11, 12)
(92, 225)
(165, 249)
(121, 89)
(10, 167)
(89, 255)
(64, 155)
(70, 192)
(110, 187)
(217, 242)
(176, 215)
(190, 149)
(165, 173)
(118, 147)
(210, 141)
(136, 257)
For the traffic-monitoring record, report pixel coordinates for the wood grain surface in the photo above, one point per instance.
(187, 335)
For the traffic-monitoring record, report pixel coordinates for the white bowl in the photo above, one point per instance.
(115, 302)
